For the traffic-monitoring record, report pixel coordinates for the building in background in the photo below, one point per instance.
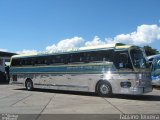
(4, 66)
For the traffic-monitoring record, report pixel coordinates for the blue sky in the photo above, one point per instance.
(27, 25)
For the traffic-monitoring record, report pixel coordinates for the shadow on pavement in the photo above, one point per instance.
(138, 97)
(63, 92)
(120, 96)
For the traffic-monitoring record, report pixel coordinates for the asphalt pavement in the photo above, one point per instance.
(40, 104)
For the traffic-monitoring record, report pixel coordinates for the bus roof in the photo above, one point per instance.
(82, 49)
(6, 54)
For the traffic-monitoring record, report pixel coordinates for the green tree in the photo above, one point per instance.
(150, 51)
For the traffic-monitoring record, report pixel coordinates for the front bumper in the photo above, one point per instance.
(141, 90)
(136, 90)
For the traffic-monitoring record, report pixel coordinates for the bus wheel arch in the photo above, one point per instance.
(103, 88)
(29, 84)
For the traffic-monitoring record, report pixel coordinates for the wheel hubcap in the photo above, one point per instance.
(104, 89)
(29, 85)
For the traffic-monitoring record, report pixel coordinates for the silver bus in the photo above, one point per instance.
(105, 69)
(155, 67)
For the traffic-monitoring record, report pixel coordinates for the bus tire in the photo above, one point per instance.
(104, 89)
(29, 85)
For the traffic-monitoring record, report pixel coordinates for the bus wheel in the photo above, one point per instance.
(29, 85)
(104, 89)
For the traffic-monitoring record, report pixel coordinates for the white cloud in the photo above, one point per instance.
(73, 43)
(95, 41)
(145, 34)
(4, 50)
(26, 51)
(66, 44)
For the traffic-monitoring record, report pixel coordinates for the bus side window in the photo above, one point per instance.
(65, 59)
(59, 59)
(46, 60)
(50, 60)
(86, 57)
(71, 58)
(38, 61)
(25, 62)
(75, 58)
(21, 62)
(101, 56)
(53, 61)
(15, 62)
(80, 57)
(1, 62)
(33, 61)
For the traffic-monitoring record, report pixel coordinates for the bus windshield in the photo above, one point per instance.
(138, 58)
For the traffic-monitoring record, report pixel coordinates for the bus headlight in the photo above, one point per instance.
(139, 76)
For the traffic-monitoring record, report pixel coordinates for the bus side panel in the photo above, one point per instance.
(73, 82)
(84, 82)
(18, 79)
